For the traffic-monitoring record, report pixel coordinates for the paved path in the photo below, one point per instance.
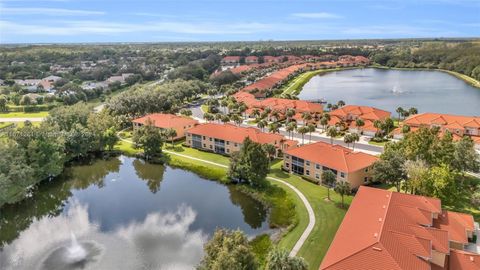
(311, 215)
(21, 119)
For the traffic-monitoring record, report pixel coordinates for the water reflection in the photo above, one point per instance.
(129, 215)
(151, 173)
(160, 241)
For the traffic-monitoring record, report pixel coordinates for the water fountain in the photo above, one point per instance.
(76, 255)
(75, 252)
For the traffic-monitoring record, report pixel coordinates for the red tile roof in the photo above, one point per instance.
(231, 58)
(364, 112)
(167, 120)
(464, 260)
(333, 156)
(390, 230)
(456, 224)
(236, 134)
(453, 121)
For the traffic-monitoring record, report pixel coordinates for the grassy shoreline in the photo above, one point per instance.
(328, 214)
(294, 86)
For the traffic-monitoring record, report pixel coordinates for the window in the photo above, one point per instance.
(228, 150)
(204, 145)
(307, 172)
(211, 147)
(366, 169)
(228, 143)
(365, 180)
(307, 163)
(287, 156)
(317, 176)
(342, 175)
(236, 144)
(297, 165)
(210, 139)
(287, 165)
(317, 166)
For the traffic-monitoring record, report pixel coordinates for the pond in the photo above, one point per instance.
(428, 91)
(122, 213)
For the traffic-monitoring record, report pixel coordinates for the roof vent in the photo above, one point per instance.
(375, 235)
(471, 258)
(388, 196)
(377, 249)
(384, 206)
(380, 220)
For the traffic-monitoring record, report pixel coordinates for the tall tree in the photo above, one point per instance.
(228, 250)
(279, 259)
(328, 179)
(250, 164)
(390, 167)
(342, 188)
(332, 133)
(302, 130)
(149, 138)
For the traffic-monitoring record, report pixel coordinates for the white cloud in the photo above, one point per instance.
(49, 11)
(317, 15)
(69, 28)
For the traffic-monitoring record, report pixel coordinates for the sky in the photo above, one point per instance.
(73, 21)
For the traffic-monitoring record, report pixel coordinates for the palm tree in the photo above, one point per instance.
(311, 128)
(224, 104)
(262, 124)
(348, 139)
(208, 116)
(225, 119)
(413, 111)
(328, 179)
(270, 150)
(324, 122)
(302, 130)
(306, 116)
(400, 111)
(342, 188)
(237, 119)
(341, 103)
(332, 132)
(275, 114)
(378, 125)
(359, 123)
(290, 113)
(290, 128)
(355, 138)
(273, 128)
(255, 112)
(218, 117)
(171, 133)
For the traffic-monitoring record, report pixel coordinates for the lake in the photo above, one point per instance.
(428, 91)
(122, 213)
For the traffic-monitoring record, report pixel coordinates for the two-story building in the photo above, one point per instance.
(397, 231)
(251, 60)
(227, 138)
(458, 125)
(167, 121)
(231, 60)
(350, 113)
(311, 160)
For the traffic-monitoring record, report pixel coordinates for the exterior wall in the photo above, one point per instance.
(314, 172)
(208, 144)
(456, 245)
(438, 258)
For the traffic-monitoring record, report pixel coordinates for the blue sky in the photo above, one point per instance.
(35, 21)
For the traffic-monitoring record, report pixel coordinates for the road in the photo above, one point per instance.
(22, 119)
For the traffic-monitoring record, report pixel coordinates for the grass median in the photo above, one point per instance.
(23, 115)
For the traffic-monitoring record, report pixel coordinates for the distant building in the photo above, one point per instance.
(311, 160)
(397, 231)
(350, 113)
(166, 121)
(251, 60)
(458, 125)
(227, 138)
(231, 60)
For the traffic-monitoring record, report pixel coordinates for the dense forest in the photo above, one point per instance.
(461, 57)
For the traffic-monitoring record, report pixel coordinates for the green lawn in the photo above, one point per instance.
(204, 108)
(295, 85)
(4, 125)
(328, 214)
(377, 143)
(23, 115)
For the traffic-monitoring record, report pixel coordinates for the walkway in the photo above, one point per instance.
(311, 215)
(22, 119)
